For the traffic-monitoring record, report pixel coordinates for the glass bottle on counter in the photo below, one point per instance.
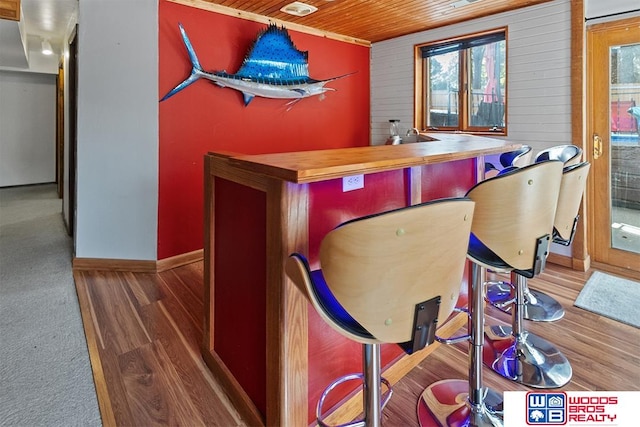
(394, 132)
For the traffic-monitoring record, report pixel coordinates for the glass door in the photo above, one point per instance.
(613, 108)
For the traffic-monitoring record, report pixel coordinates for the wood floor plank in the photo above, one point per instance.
(144, 287)
(155, 393)
(191, 276)
(93, 344)
(173, 285)
(119, 324)
(189, 367)
(161, 378)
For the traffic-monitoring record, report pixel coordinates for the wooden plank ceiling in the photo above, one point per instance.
(377, 20)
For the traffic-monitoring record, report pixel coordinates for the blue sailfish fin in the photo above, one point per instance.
(247, 98)
(274, 57)
(196, 69)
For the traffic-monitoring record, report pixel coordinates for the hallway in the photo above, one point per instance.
(45, 374)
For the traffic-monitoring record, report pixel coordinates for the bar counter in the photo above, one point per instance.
(310, 166)
(269, 349)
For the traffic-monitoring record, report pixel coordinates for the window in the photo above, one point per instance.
(462, 84)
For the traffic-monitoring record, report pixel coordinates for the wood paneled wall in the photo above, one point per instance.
(539, 74)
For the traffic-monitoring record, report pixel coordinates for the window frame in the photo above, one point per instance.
(421, 86)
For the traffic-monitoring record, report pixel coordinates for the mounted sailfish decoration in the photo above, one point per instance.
(273, 68)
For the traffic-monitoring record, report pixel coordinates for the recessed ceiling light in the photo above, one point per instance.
(298, 9)
(46, 47)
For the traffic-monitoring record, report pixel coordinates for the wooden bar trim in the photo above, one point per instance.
(209, 256)
(569, 262)
(579, 247)
(132, 265)
(558, 259)
(277, 382)
(413, 178)
(220, 167)
(136, 265)
(238, 397)
(254, 17)
(179, 260)
(321, 165)
(287, 309)
(624, 272)
(102, 392)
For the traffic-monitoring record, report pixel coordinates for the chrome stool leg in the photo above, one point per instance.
(521, 356)
(372, 398)
(372, 378)
(445, 399)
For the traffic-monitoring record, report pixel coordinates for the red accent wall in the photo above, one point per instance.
(205, 117)
(451, 179)
(240, 296)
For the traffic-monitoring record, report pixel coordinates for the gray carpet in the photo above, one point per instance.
(612, 297)
(45, 373)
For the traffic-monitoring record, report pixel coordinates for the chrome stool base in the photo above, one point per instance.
(527, 359)
(538, 306)
(447, 402)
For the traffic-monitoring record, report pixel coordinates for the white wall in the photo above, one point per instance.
(605, 8)
(539, 71)
(117, 154)
(27, 128)
(66, 208)
(40, 63)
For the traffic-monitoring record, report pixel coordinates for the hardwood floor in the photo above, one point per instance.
(144, 333)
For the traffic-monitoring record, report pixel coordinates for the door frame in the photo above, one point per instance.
(579, 258)
(72, 80)
(60, 88)
(613, 260)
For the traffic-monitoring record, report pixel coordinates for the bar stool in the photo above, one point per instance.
(537, 306)
(520, 157)
(381, 282)
(566, 153)
(503, 341)
(574, 182)
(511, 231)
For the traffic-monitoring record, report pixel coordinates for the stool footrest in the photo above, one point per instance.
(537, 306)
(500, 294)
(349, 377)
(460, 338)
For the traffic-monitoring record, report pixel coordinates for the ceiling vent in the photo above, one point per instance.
(462, 3)
(298, 9)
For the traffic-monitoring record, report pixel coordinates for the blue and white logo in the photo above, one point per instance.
(546, 408)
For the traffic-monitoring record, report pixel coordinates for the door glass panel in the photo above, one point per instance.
(625, 147)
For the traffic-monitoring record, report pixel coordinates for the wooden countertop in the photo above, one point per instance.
(319, 165)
